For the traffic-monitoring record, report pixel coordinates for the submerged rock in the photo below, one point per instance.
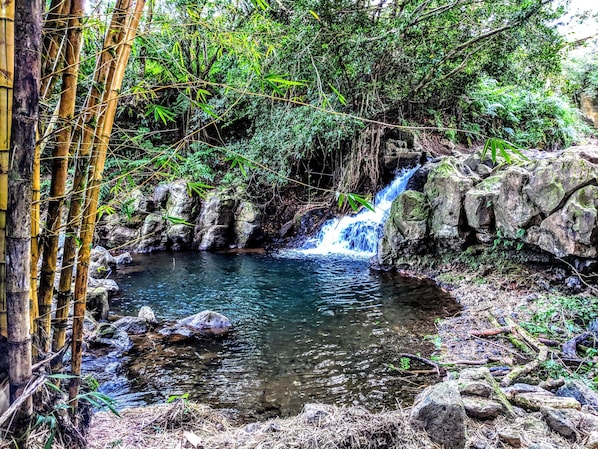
(108, 335)
(132, 325)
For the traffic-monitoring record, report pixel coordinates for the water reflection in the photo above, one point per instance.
(305, 330)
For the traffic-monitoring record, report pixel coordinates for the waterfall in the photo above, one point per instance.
(357, 235)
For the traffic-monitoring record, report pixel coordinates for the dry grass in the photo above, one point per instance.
(188, 425)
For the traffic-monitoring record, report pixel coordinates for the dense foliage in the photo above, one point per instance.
(309, 90)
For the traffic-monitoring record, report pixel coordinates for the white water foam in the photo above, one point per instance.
(357, 235)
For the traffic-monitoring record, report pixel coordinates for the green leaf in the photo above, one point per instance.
(496, 146)
(175, 220)
(199, 188)
(105, 209)
(161, 113)
(341, 98)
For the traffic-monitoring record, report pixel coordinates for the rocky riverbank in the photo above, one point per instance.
(510, 243)
(487, 284)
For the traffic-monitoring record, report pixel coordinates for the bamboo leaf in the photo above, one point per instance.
(341, 98)
(175, 220)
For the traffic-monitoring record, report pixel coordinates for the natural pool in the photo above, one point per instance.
(306, 329)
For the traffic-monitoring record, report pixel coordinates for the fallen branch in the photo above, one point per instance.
(490, 332)
(439, 370)
(29, 390)
(521, 370)
(466, 362)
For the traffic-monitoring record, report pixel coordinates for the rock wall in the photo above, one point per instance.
(550, 203)
(174, 217)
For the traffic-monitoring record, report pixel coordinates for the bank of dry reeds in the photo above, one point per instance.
(188, 425)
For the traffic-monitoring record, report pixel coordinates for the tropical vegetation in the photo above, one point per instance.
(276, 95)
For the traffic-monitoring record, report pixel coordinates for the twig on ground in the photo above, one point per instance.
(29, 391)
(439, 370)
(542, 355)
(580, 276)
(490, 332)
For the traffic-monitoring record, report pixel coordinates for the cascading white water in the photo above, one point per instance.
(357, 235)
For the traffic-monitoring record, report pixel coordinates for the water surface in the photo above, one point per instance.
(306, 329)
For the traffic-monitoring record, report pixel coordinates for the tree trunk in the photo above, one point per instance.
(91, 200)
(28, 19)
(7, 55)
(89, 119)
(59, 171)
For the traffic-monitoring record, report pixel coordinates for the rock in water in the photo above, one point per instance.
(147, 314)
(440, 411)
(206, 323)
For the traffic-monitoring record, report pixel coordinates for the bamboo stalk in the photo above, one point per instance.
(7, 54)
(28, 18)
(90, 117)
(91, 200)
(54, 33)
(59, 172)
(54, 25)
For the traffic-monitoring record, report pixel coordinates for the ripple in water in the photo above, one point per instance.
(305, 330)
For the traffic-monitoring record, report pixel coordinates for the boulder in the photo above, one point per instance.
(206, 324)
(124, 259)
(180, 203)
(179, 236)
(439, 410)
(132, 325)
(116, 231)
(214, 227)
(572, 230)
(101, 262)
(481, 408)
(479, 207)
(248, 226)
(108, 335)
(445, 189)
(98, 303)
(410, 212)
(151, 237)
(108, 284)
(513, 209)
(559, 421)
(555, 179)
(535, 401)
(141, 203)
(161, 194)
(181, 209)
(581, 392)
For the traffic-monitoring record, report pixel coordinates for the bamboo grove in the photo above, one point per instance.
(41, 67)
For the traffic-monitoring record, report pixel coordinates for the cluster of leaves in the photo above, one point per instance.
(527, 117)
(279, 83)
(562, 318)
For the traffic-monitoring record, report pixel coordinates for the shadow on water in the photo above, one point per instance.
(306, 329)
